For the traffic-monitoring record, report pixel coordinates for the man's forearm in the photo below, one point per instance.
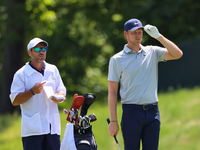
(112, 102)
(172, 48)
(22, 97)
(112, 99)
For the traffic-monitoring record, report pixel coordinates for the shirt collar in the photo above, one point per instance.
(30, 69)
(128, 50)
(42, 71)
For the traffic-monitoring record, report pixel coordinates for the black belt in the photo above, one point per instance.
(144, 107)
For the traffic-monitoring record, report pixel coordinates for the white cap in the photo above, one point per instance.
(34, 42)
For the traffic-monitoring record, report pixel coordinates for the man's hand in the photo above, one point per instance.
(56, 100)
(113, 128)
(152, 31)
(38, 87)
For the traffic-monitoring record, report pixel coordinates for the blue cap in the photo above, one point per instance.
(132, 24)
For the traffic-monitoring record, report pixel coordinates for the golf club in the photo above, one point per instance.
(88, 119)
(108, 120)
(65, 111)
(80, 118)
(92, 117)
(85, 122)
(89, 99)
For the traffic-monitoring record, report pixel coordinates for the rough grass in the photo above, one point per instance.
(180, 121)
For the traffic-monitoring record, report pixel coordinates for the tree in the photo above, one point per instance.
(13, 51)
(84, 34)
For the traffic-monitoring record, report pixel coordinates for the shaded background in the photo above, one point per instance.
(84, 34)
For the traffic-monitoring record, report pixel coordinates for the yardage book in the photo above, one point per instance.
(49, 92)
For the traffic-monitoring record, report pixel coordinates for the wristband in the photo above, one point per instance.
(32, 91)
(114, 121)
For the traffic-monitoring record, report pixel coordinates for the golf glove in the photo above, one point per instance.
(152, 31)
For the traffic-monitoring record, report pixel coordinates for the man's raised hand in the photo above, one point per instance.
(152, 31)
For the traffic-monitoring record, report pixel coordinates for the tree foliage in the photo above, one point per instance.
(84, 34)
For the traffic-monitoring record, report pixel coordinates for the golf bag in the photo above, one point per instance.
(78, 139)
(84, 139)
(78, 133)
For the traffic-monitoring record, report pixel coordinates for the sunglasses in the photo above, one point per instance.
(38, 49)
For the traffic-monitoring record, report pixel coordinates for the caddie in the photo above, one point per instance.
(40, 125)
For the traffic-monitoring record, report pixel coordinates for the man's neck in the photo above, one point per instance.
(37, 65)
(134, 47)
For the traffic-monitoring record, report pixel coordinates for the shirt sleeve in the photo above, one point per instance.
(114, 72)
(17, 86)
(59, 83)
(160, 51)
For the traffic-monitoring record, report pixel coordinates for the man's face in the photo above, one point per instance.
(134, 37)
(37, 57)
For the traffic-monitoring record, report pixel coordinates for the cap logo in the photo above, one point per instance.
(136, 23)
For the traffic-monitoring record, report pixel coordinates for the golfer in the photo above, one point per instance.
(135, 69)
(40, 125)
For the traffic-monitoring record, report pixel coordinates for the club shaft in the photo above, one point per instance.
(118, 146)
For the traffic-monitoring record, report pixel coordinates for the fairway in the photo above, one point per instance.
(180, 121)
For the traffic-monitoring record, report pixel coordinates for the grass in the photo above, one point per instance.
(180, 121)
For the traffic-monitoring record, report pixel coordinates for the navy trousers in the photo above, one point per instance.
(140, 124)
(41, 142)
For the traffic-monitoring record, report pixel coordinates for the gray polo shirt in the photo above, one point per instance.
(137, 73)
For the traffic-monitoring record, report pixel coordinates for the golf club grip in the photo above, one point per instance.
(108, 120)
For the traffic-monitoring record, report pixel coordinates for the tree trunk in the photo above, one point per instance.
(13, 52)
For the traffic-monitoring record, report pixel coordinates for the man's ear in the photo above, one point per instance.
(125, 33)
(29, 52)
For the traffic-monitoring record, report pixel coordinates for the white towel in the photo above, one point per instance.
(68, 138)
